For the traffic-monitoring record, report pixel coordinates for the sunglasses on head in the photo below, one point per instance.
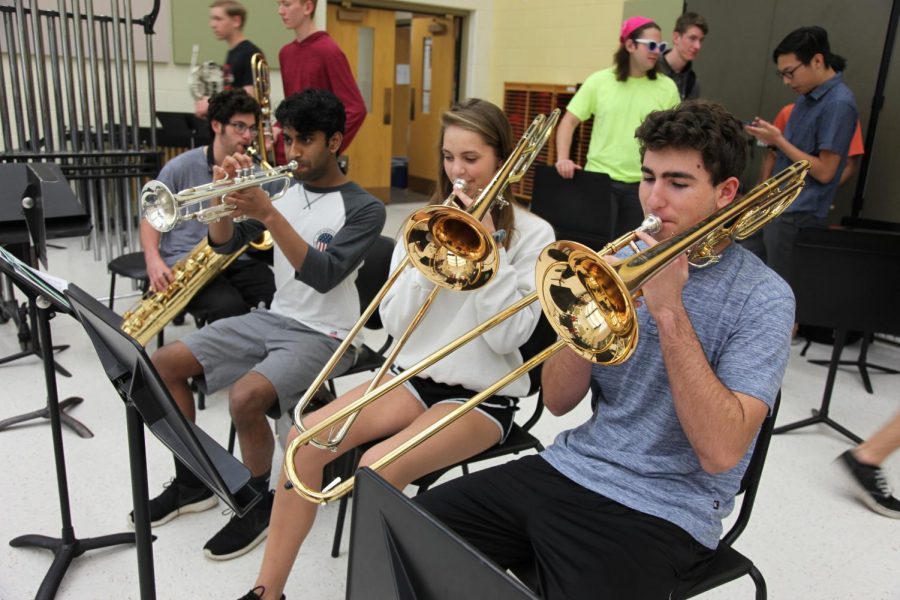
(653, 45)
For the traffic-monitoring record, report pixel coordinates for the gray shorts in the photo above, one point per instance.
(284, 351)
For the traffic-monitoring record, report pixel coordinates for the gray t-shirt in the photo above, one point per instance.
(188, 169)
(633, 449)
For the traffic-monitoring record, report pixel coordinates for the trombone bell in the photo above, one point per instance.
(451, 247)
(586, 302)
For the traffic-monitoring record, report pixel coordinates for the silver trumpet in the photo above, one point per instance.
(164, 210)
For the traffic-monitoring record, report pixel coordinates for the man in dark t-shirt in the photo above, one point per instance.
(226, 19)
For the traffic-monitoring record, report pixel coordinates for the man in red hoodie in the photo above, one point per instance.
(314, 60)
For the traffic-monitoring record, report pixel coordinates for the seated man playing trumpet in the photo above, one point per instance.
(321, 229)
(476, 139)
(632, 501)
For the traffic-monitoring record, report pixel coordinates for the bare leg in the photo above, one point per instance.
(176, 364)
(466, 437)
(881, 445)
(292, 516)
(249, 399)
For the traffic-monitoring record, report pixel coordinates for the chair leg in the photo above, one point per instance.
(350, 462)
(232, 434)
(761, 592)
(201, 400)
(112, 289)
(339, 526)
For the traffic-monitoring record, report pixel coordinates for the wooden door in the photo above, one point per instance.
(432, 66)
(367, 38)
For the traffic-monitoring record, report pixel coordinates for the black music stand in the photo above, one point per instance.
(147, 401)
(67, 547)
(577, 208)
(846, 280)
(400, 552)
(36, 203)
(28, 183)
(862, 363)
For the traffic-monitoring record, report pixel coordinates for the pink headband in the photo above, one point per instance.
(630, 25)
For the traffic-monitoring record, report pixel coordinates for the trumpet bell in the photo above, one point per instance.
(158, 206)
(451, 247)
(586, 302)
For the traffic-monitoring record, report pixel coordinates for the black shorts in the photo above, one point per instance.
(583, 545)
(499, 409)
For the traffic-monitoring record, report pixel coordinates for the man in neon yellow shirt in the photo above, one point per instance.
(619, 98)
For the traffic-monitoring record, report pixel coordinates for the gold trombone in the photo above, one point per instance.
(451, 248)
(588, 301)
(259, 67)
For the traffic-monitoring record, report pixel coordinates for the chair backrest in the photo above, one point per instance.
(577, 208)
(753, 474)
(372, 275)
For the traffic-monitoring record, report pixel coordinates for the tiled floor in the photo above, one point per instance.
(808, 537)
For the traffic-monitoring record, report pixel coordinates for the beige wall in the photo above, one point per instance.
(544, 41)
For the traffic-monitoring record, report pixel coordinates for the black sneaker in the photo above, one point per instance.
(241, 534)
(177, 499)
(254, 595)
(870, 485)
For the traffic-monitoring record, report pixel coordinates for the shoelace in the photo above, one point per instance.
(882, 484)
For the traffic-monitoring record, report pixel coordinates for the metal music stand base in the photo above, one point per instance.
(862, 364)
(66, 547)
(820, 415)
(71, 422)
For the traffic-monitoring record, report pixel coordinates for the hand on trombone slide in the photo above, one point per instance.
(465, 201)
(662, 292)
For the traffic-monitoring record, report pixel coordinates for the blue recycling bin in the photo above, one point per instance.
(399, 171)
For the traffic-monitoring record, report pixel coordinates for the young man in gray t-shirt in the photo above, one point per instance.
(630, 502)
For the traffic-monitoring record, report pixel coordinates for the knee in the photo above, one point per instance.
(174, 361)
(246, 404)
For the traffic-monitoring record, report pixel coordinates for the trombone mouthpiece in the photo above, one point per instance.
(651, 224)
(459, 184)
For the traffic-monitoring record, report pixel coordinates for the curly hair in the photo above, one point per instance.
(700, 125)
(313, 110)
(225, 104)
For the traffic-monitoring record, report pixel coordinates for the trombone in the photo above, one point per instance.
(588, 301)
(164, 209)
(451, 248)
(259, 67)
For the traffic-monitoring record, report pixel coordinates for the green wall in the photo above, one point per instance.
(190, 25)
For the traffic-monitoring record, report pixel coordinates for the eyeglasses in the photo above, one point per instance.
(788, 73)
(243, 128)
(653, 45)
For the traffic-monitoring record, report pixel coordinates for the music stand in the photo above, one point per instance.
(67, 547)
(147, 401)
(36, 203)
(400, 552)
(846, 280)
(578, 209)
